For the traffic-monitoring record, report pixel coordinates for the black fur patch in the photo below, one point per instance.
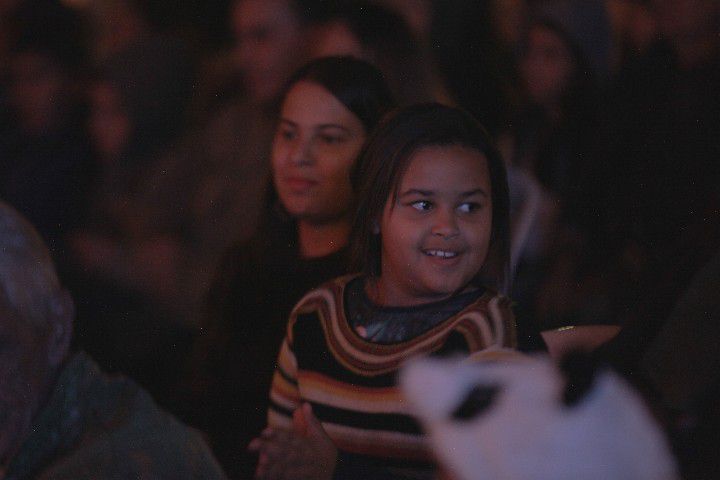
(477, 401)
(580, 370)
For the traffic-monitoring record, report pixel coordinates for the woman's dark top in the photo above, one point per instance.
(257, 285)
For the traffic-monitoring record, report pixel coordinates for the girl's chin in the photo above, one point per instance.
(441, 288)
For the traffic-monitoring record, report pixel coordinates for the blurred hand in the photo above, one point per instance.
(304, 453)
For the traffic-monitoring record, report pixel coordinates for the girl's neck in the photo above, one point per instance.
(319, 240)
(385, 294)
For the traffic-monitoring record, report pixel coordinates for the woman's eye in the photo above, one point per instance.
(286, 134)
(422, 205)
(469, 207)
(331, 139)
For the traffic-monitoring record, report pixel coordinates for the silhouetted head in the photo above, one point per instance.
(36, 316)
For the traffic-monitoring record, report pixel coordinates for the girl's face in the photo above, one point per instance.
(547, 66)
(315, 146)
(436, 234)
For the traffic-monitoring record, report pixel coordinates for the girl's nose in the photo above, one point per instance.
(445, 224)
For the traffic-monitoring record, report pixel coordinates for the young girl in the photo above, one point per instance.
(431, 241)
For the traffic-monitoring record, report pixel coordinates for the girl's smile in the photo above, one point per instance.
(436, 230)
(444, 254)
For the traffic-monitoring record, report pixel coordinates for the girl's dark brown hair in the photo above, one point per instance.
(384, 160)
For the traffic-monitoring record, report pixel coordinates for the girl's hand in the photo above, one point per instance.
(303, 453)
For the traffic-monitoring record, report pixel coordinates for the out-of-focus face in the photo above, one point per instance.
(24, 371)
(317, 141)
(333, 39)
(269, 45)
(417, 14)
(38, 90)
(435, 235)
(547, 66)
(679, 19)
(109, 124)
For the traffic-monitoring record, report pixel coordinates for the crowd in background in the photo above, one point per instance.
(136, 137)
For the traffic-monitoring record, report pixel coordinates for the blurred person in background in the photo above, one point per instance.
(510, 18)
(634, 29)
(681, 371)
(656, 193)
(446, 30)
(210, 187)
(475, 65)
(138, 102)
(138, 105)
(63, 418)
(116, 25)
(565, 53)
(167, 207)
(44, 152)
(268, 39)
(328, 109)
(380, 36)
(7, 31)
(418, 15)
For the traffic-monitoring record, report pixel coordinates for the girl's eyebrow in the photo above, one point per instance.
(417, 191)
(430, 193)
(477, 191)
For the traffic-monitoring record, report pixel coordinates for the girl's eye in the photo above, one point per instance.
(469, 207)
(422, 205)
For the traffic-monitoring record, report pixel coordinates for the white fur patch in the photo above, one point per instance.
(527, 432)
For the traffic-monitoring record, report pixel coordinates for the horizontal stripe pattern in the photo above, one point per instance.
(377, 443)
(351, 383)
(368, 421)
(325, 390)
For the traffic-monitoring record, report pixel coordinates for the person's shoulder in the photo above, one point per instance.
(126, 435)
(487, 322)
(327, 295)
(323, 304)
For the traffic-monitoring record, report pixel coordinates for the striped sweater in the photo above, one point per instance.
(351, 382)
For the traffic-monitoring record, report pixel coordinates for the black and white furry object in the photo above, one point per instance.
(525, 418)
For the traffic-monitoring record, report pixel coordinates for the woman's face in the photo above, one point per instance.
(547, 66)
(316, 143)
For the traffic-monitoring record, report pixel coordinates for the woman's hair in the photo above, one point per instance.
(355, 83)
(384, 160)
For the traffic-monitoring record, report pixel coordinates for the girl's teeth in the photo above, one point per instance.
(440, 253)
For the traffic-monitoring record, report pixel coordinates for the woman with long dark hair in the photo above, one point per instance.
(328, 109)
